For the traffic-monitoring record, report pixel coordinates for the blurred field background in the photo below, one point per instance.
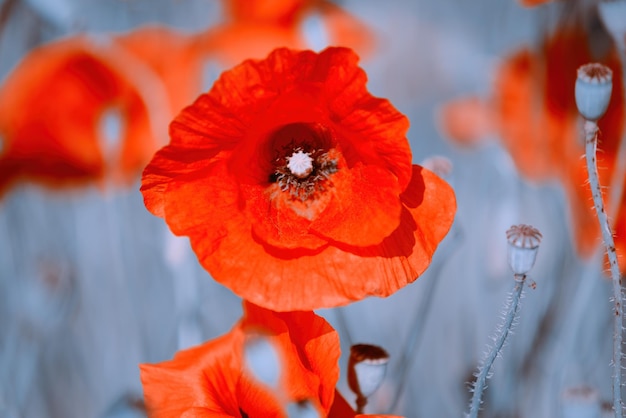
(91, 284)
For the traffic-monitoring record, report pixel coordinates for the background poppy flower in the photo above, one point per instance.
(210, 380)
(534, 114)
(252, 29)
(296, 187)
(180, 71)
(533, 3)
(55, 107)
(85, 108)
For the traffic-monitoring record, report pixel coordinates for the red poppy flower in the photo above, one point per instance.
(296, 187)
(533, 3)
(253, 28)
(211, 381)
(58, 103)
(534, 113)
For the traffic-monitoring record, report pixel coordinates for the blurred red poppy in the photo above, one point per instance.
(89, 109)
(534, 114)
(253, 28)
(173, 56)
(295, 185)
(532, 3)
(211, 379)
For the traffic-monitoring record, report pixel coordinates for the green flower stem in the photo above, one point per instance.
(503, 332)
(591, 142)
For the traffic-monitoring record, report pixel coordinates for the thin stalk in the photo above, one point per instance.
(484, 371)
(361, 401)
(591, 142)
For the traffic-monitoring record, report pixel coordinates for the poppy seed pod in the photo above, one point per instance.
(593, 90)
(523, 246)
(366, 368)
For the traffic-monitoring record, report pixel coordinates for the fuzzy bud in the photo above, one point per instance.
(523, 247)
(366, 368)
(593, 90)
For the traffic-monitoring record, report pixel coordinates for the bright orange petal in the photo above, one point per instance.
(286, 280)
(173, 387)
(311, 354)
(532, 3)
(211, 381)
(364, 209)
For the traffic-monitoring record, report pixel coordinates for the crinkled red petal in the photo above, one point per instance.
(211, 380)
(303, 279)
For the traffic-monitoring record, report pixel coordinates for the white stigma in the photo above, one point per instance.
(300, 164)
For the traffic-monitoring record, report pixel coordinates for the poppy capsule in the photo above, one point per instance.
(593, 90)
(523, 246)
(366, 370)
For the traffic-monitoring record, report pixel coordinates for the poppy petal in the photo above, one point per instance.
(212, 380)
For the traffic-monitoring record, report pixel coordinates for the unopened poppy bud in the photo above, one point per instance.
(613, 15)
(523, 246)
(262, 360)
(366, 368)
(593, 90)
(581, 402)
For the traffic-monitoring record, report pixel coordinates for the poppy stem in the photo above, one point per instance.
(591, 142)
(484, 371)
(361, 401)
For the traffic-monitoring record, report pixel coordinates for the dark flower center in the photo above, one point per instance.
(302, 162)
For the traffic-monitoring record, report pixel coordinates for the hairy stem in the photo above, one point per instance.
(591, 142)
(503, 332)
